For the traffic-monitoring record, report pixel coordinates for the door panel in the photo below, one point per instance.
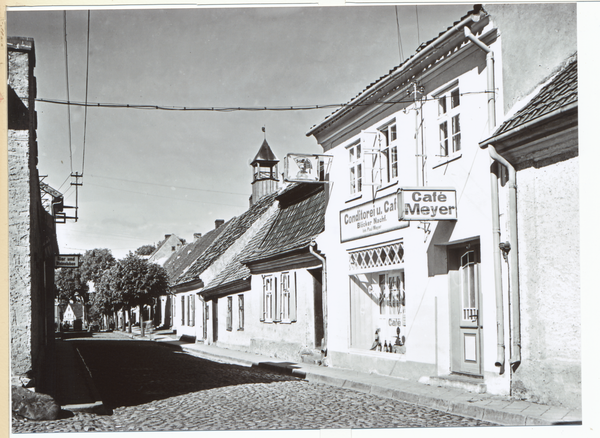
(465, 321)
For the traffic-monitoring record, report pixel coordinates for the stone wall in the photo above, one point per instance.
(32, 234)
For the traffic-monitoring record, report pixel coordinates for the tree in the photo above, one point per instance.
(94, 262)
(135, 282)
(107, 300)
(69, 284)
(145, 250)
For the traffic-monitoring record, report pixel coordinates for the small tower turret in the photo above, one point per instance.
(265, 179)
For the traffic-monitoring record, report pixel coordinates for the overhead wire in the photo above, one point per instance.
(232, 109)
(68, 93)
(399, 35)
(87, 75)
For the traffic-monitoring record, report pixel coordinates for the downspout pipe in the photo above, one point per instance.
(491, 89)
(323, 294)
(515, 315)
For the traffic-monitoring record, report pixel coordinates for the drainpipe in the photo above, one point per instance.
(311, 247)
(491, 87)
(515, 316)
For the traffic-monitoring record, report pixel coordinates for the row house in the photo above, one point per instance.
(425, 279)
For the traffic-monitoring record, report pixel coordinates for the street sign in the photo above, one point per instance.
(306, 168)
(426, 204)
(67, 261)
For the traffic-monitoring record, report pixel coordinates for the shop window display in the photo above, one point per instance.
(378, 311)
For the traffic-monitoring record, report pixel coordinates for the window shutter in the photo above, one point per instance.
(293, 300)
(277, 302)
(183, 310)
(262, 302)
(193, 297)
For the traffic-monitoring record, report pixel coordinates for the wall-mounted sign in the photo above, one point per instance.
(306, 168)
(426, 204)
(66, 261)
(374, 217)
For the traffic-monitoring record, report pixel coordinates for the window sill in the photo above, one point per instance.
(354, 198)
(240, 329)
(446, 160)
(392, 184)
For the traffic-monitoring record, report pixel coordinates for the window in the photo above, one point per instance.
(449, 122)
(389, 148)
(229, 313)
(355, 165)
(268, 300)
(183, 310)
(468, 286)
(288, 297)
(240, 312)
(193, 312)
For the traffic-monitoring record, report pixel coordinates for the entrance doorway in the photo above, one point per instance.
(465, 313)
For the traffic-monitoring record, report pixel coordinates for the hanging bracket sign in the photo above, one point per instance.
(307, 168)
(426, 204)
(67, 261)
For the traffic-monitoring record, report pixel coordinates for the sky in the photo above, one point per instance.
(151, 172)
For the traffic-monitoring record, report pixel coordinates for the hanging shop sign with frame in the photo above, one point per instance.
(67, 261)
(373, 217)
(306, 168)
(426, 204)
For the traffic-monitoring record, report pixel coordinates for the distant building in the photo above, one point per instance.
(165, 249)
(31, 229)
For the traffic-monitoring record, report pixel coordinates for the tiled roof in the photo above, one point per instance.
(560, 92)
(300, 219)
(189, 253)
(236, 270)
(234, 229)
(373, 85)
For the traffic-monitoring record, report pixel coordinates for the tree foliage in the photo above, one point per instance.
(145, 250)
(69, 284)
(130, 282)
(94, 262)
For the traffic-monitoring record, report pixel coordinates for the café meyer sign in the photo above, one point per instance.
(426, 204)
(374, 217)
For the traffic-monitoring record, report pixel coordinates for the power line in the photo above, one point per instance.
(87, 75)
(418, 34)
(232, 109)
(168, 185)
(68, 93)
(399, 36)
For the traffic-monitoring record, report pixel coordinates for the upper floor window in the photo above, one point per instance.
(389, 152)
(356, 168)
(449, 122)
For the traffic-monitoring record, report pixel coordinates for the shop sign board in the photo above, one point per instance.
(67, 261)
(426, 204)
(373, 217)
(306, 168)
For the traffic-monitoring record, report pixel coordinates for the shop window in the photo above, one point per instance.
(240, 312)
(229, 313)
(287, 297)
(378, 312)
(355, 168)
(385, 255)
(449, 122)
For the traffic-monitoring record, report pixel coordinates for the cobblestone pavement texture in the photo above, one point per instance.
(149, 386)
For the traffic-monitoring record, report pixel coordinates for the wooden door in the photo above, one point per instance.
(465, 312)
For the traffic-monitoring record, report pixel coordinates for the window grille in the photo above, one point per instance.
(386, 255)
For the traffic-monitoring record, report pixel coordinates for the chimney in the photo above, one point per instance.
(167, 236)
(218, 223)
(197, 236)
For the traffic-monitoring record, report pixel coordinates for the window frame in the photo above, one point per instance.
(388, 137)
(356, 168)
(449, 117)
(229, 320)
(240, 312)
(287, 298)
(268, 298)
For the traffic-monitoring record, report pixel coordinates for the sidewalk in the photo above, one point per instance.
(496, 409)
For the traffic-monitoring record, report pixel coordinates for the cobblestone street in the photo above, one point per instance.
(150, 386)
